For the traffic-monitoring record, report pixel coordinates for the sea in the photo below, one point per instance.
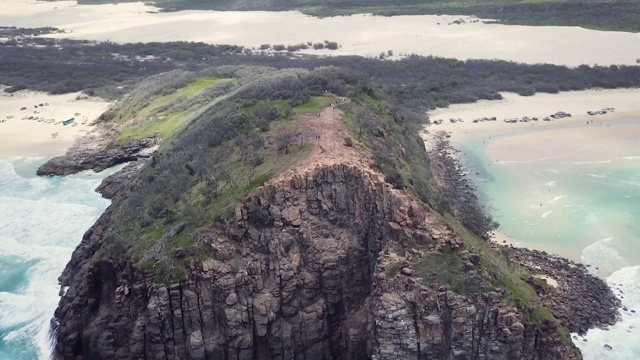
(575, 193)
(42, 220)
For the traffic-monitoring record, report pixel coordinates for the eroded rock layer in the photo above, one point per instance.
(302, 272)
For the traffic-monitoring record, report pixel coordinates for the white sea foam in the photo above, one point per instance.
(629, 182)
(551, 183)
(622, 337)
(631, 157)
(591, 162)
(41, 221)
(600, 176)
(556, 199)
(546, 214)
(602, 257)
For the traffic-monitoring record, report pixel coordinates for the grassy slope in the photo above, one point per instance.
(247, 182)
(618, 15)
(153, 119)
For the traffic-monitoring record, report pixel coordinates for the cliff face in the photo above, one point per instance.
(309, 270)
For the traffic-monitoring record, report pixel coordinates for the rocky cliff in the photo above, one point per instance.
(329, 264)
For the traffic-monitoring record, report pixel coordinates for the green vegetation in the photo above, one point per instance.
(393, 270)
(233, 144)
(445, 268)
(166, 113)
(501, 273)
(312, 106)
(620, 15)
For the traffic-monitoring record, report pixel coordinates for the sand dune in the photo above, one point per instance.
(364, 35)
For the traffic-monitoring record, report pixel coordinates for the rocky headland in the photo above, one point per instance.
(302, 272)
(333, 256)
(333, 263)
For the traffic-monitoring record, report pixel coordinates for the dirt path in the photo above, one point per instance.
(327, 131)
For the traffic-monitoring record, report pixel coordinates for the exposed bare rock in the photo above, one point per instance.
(581, 300)
(85, 155)
(313, 285)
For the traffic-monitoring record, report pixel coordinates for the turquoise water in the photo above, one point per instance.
(41, 222)
(583, 203)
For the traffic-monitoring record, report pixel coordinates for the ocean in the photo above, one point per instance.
(41, 222)
(573, 191)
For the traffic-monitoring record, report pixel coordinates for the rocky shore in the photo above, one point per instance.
(458, 195)
(98, 151)
(319, 267)
(580, 301)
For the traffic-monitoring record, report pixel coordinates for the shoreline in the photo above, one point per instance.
(541, 105)
(510, 141)
(32, 122)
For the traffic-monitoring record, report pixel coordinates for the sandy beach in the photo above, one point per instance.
(20, 136)
(363, 35)
(579, 138)
(626, 103)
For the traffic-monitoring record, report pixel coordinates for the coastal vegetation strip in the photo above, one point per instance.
(417, 82)
(619, 15)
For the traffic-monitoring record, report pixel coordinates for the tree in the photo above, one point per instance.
(366, 123)
(284, 140)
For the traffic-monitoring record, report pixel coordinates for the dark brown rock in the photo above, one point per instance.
(311, 288)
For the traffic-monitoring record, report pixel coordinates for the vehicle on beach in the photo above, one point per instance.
(68, 121)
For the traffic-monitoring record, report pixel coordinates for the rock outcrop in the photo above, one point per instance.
(87, 156)
(580, 300)
(304, 271)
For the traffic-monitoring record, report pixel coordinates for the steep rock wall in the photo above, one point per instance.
(300, 273)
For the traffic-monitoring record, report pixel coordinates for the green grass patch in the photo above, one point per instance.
(507, 275)
(248, 110)
(314, 105)
(152, 119)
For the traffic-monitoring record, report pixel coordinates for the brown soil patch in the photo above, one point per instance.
(327, 131)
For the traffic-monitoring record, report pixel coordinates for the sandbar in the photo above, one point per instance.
(363, 34)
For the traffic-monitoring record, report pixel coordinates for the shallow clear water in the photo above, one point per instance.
(583, 205)
(41, 222)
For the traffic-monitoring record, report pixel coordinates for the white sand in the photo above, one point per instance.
(364, 35)
(625, 101)
(504, 239)
(32, 138)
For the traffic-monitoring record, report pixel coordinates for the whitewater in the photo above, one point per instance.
(582, 205)
(42, 220)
